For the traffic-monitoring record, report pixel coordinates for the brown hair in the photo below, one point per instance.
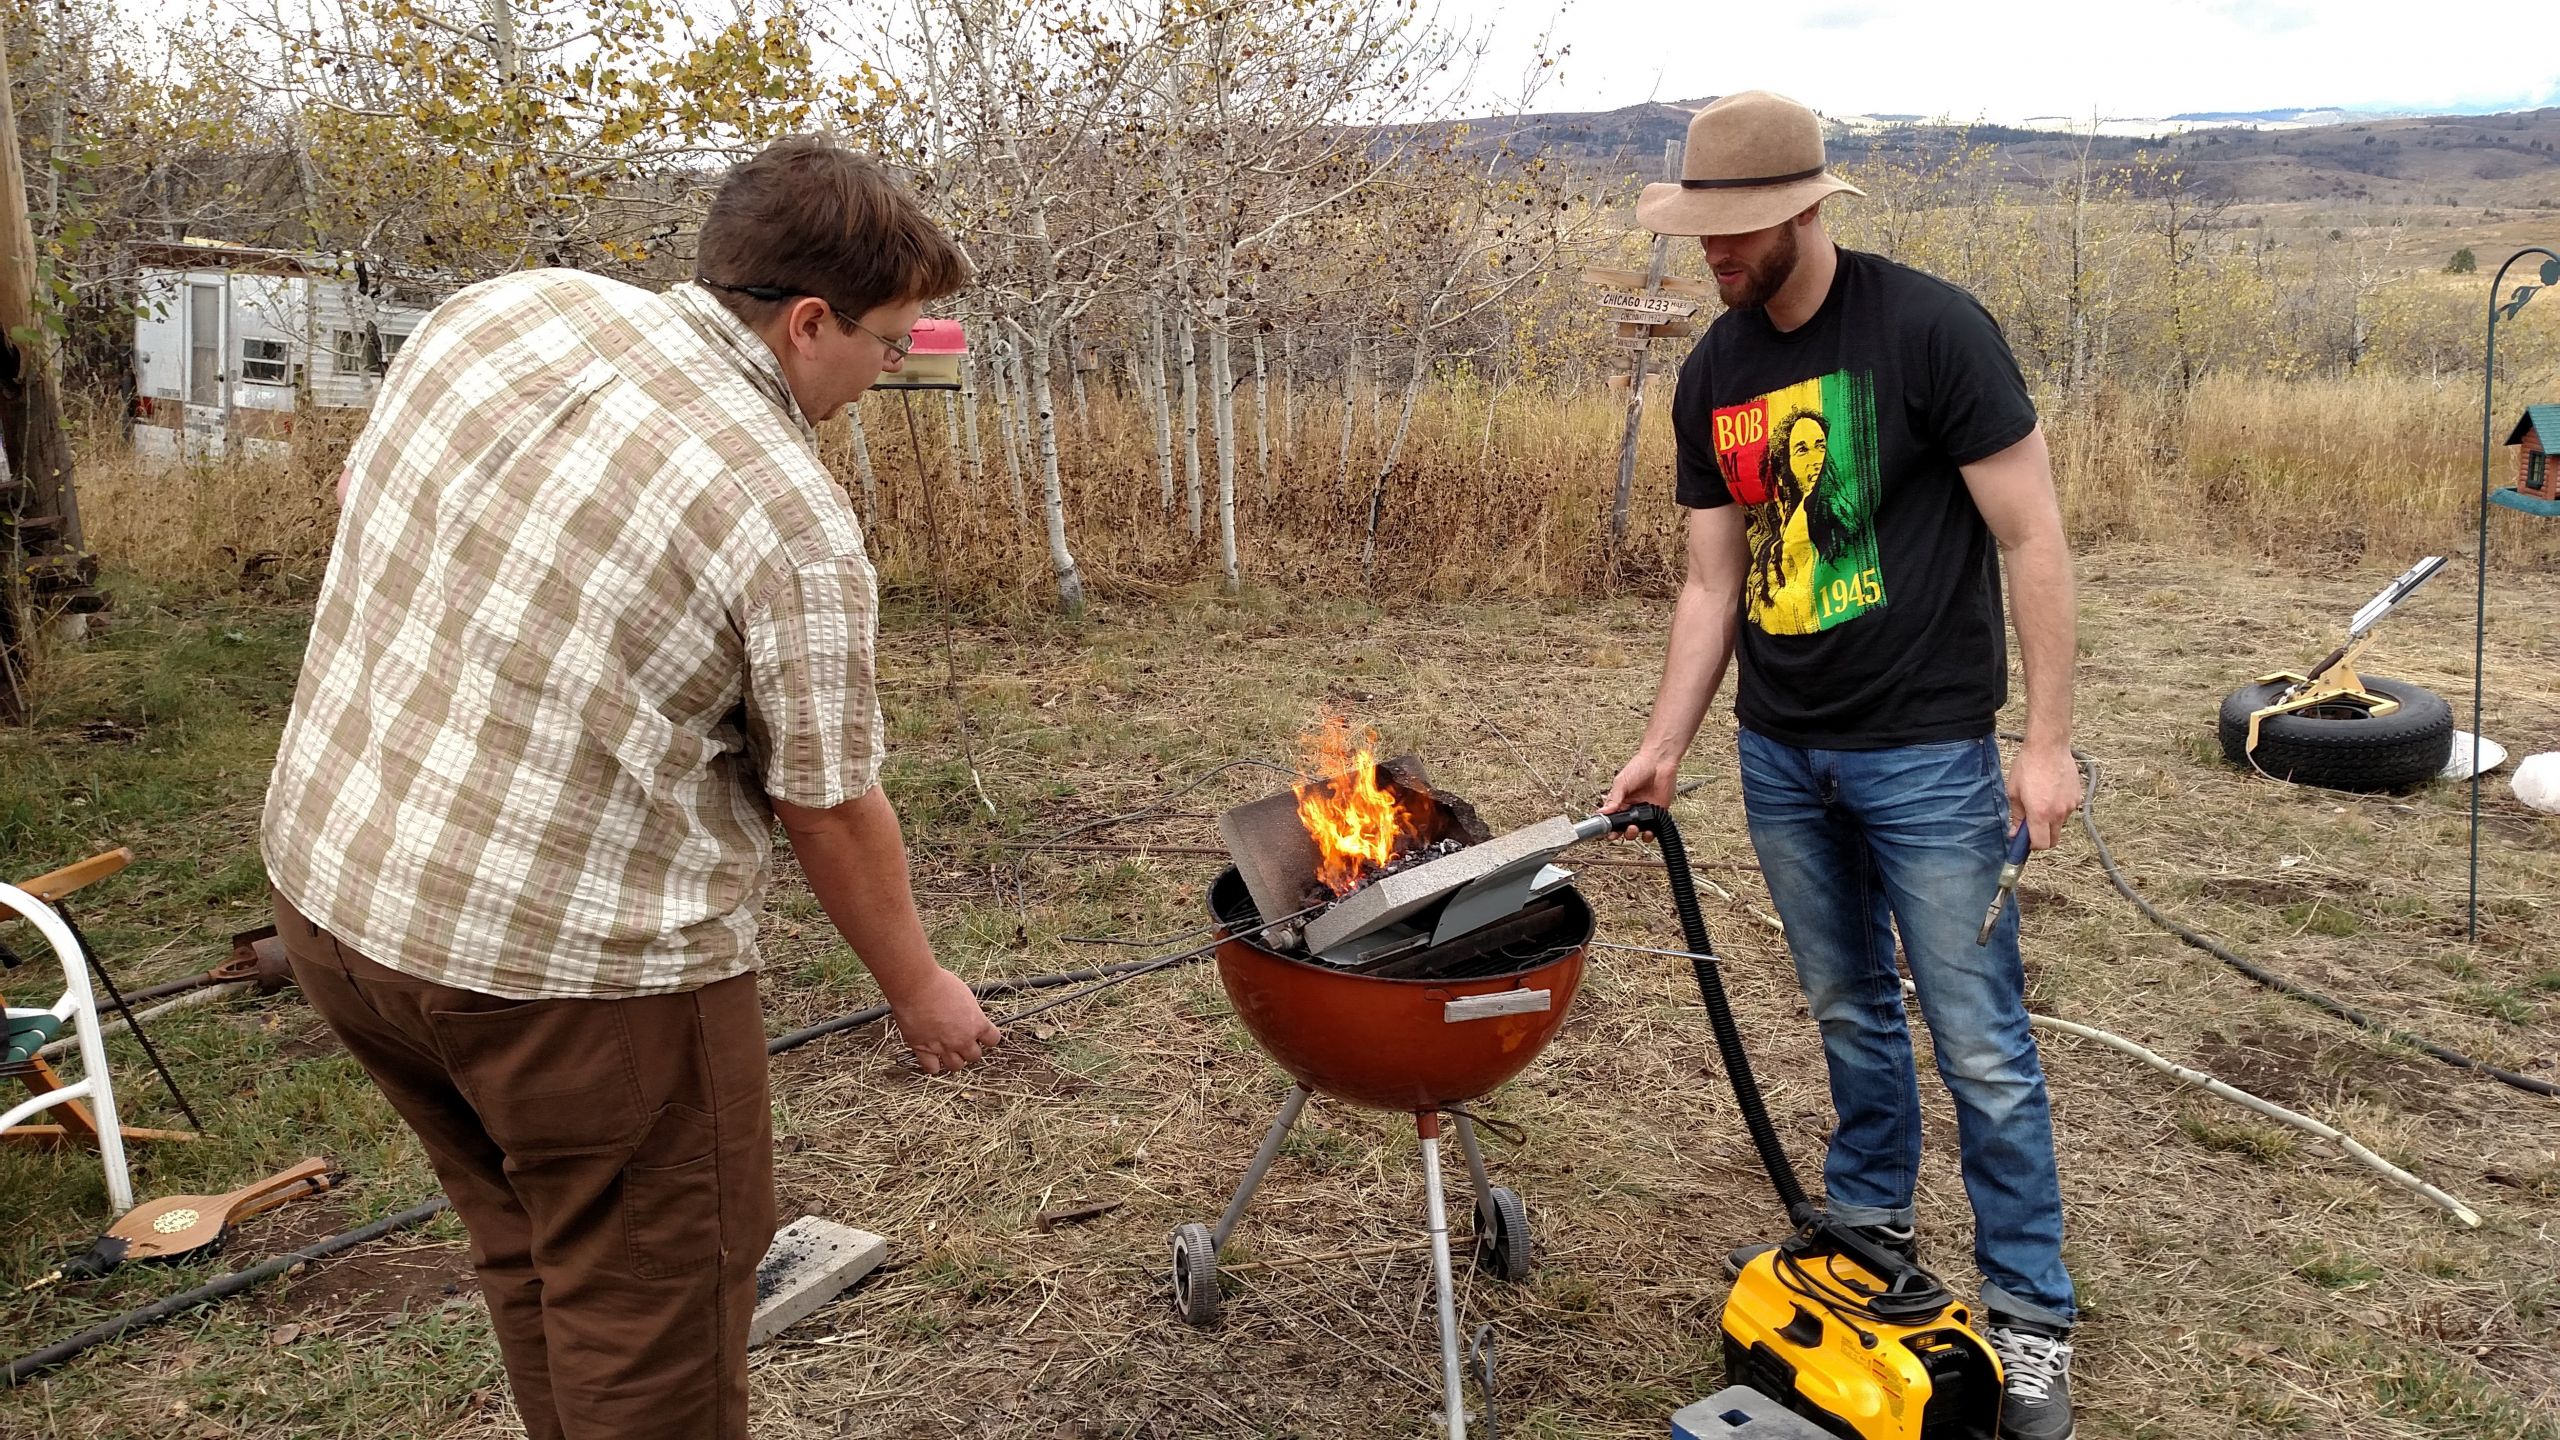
(806, 216)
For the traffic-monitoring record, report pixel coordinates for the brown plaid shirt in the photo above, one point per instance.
(593, 598)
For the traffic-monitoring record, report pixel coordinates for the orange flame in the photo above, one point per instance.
(1356, 823)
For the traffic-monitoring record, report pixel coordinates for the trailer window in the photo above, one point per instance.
(264, 362)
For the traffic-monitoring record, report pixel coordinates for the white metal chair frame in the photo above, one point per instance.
(78, 1007)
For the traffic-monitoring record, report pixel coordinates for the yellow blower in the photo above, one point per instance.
(1849, 1334)
(1814, 1323)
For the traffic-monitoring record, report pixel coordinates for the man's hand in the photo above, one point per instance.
(942, 1022)
(2044, 788)
(1648, 779)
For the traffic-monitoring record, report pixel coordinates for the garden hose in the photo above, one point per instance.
(2270, 979)
(36, 1362)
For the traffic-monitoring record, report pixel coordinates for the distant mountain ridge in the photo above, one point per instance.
(2501, 158)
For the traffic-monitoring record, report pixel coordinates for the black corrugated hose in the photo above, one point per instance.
(2269, 978)
(37, 1362)
(1657, 822)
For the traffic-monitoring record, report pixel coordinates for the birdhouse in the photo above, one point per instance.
(933, 358)
(2537, 486)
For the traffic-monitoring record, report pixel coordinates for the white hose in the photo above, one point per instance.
(2271, 1110)
(2268, 1108)
(111, 1024)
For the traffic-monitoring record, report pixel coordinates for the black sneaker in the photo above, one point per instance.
(1900, 1239)
(2035, 1367)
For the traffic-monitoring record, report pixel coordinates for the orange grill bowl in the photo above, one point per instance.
(1389, 1044)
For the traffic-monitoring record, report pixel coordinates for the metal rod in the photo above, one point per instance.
(1261, 1165)
(2480, 559)
(1450, 1386)
(1475, 1164)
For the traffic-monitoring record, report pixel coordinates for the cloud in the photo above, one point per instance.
(2261, 18)
(1841, 17)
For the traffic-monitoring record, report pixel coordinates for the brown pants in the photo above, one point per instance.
(613, 1161)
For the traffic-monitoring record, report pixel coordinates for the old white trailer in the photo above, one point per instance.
(232, 343)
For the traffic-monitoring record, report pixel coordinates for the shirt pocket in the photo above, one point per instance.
(548, 1078)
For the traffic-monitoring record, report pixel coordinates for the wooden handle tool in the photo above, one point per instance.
(186, 1227)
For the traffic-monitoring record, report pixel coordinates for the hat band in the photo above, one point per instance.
(1749, 181)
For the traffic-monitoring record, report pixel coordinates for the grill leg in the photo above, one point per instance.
(1475, 1160)
(1428, 1125)
(1261, 1165)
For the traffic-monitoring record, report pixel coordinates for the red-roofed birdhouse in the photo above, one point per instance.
(933, 358)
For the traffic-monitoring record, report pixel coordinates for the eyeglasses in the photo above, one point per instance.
(898, 349)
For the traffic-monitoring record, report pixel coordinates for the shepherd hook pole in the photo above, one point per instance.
(2480, 555)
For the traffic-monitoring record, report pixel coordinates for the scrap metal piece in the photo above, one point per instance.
(1391, 898)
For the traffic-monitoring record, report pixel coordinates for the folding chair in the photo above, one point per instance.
(29, 1029)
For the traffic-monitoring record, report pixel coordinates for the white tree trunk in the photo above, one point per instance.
(1289, 397)
(1158, 396)
(1053, 497)
(1350, 410)
(1261, 415)
(862, 461)
(1075, 388)
(1222, 408)
(1007, 415)
(1190, 353)
(951, 436)
(1022, 412)
(1376, 375)
(976, 462)
(1395, 448)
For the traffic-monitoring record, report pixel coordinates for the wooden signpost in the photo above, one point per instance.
(1648, 305)
(41, 555)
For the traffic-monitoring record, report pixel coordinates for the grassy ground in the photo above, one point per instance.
(2239, 1280)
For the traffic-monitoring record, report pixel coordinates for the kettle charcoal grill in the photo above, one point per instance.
(1439, 1017)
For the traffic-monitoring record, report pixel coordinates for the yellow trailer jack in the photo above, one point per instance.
(2333, 689)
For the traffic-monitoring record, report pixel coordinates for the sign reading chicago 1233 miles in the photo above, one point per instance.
(1650, 307)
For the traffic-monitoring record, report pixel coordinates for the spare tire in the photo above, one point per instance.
(2339, 746)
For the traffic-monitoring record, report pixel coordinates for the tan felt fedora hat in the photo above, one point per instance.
(1754, 159)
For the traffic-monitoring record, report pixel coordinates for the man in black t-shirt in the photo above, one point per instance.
(1858, 453)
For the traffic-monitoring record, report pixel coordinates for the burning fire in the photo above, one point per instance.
(1356, 823)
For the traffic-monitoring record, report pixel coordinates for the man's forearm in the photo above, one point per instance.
(1692, 670)
(856, 861)
(2048, 635)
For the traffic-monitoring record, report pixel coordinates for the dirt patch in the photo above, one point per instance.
(2299, 1069)
(2261, 890)
(366, 1288)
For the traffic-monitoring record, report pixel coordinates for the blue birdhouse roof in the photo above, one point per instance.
(2542, 420)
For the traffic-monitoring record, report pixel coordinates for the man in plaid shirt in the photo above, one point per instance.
(596, 616)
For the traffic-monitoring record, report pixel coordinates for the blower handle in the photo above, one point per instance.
(1657, 822)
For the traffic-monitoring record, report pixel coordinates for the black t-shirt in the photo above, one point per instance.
(1871, 601)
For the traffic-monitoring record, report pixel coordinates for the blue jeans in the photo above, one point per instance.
(1859, 844)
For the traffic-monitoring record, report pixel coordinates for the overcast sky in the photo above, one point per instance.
(2003, 60)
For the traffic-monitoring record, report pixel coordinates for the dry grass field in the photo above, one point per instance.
(2239, 1279)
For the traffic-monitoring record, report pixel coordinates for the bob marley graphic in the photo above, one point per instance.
(1798, 460)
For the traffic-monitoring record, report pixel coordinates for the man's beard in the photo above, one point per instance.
(1763, 280)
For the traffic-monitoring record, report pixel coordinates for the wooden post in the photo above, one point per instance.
(39, 515)
(1625, 492)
